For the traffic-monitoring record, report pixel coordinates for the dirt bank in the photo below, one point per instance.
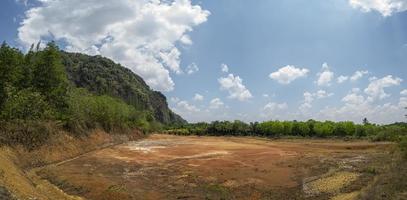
(177, 167)
(17, 179)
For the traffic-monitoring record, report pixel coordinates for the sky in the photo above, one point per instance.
(234, 59)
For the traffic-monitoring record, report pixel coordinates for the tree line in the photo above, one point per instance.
(310, 128)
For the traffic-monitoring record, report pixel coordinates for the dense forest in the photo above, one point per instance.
(47, 89)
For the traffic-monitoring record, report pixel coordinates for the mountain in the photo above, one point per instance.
(102, 76)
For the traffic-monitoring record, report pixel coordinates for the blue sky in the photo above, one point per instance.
(284, 58)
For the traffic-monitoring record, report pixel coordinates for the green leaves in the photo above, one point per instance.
(27, 105)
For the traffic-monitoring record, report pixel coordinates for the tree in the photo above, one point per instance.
(365, 121)
(49, 76)
(10, 70)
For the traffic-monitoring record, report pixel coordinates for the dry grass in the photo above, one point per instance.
(27, 184)
(333, 182)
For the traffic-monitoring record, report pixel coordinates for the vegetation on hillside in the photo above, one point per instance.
(44, 91)
(102, 76)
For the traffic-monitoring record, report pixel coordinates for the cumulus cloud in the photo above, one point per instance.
(186, 107)
(357, 106)
(216, 103)
(403, 102)
(357, 75)
(142, 35)
(354, 97)
(273, 109)
(325, 76)
(192, 68)
(198, 97)
(342, 79)
(272, 106)
(403, 92)
(385, 7)
(289, 73)
(376, 87)
(310, 97)
(174, 99)
(224, 68)
(320, 94)
(234, 85)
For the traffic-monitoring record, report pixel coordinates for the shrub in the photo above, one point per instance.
(391, 133)
(87, 111)
(26, 105)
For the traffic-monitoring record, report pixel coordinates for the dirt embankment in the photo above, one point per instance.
(19, 181)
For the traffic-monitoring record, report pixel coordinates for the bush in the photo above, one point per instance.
(391, 133)
(26, 105)
(88, 111)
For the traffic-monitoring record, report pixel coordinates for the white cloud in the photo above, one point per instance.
(265, 95)
(184, 106)
(320, 94)
(198, 97)
(234, 85)
(342, 79)
(287, 74)
(385, 7)
(357, 107)
(310, 97)
(354, 97)
(174, 99)
(357, 75)
(272, 106)
(216, 103)
(307, 103)
(224, 68)
(192, 68)
(325, 76)
(142, 35)
(273, 110)
(403, 92)
(375, 89)
(403, 102)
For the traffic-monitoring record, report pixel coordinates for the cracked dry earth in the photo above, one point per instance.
(192, 167)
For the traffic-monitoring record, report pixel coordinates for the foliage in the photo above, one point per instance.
(89, 111)
(35, 91)
(10, 66)
(26, 104)
(310, 128)
(102, 76)
(49, 76)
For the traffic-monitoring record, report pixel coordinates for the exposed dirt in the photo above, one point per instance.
(179, 167)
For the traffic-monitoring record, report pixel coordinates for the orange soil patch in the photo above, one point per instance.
(179, 167)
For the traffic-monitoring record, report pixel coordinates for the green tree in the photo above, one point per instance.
(27, 105)
(10, 70)
(49, 76)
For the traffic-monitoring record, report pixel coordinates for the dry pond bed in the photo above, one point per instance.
(192, 167)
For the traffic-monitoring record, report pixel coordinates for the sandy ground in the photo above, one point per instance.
(180, 167)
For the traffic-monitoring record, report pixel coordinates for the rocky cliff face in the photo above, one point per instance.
(104, 77)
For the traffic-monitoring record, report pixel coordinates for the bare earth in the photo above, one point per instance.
(192, 167)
